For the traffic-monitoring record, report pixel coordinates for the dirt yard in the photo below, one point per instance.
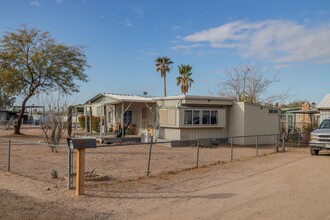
(291, 185)
(31, 158)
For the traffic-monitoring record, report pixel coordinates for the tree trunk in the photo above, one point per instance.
(17, 128)
(165, 85)
(70, 110)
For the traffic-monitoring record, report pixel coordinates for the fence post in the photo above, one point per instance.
(257, 150)
(277, 140)
(283, 144)
(9, 150)
(231, 149)
(80, 172)
(197, 159)
(149, 159)
(299, 139)
(69, 168)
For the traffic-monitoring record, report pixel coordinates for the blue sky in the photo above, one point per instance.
(123, 38)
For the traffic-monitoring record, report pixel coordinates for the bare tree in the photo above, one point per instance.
(55, 123)
(247, 83)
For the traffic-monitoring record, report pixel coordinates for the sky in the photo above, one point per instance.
(122, 39)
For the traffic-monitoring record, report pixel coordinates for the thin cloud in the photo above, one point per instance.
(35, 3)
(282, 41)
(127, 23)
(138, 10)
(186, 47)
(59, 1)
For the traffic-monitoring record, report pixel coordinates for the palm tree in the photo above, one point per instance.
(163, 65)
(184, 78)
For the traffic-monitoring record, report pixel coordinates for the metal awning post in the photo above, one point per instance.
(90, 119)
(122, 118)
(76, 120)
(85, 114)
(101, 117)
(105, 119)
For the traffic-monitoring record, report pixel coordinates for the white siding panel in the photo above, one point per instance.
(258, 121)
(222, 117)
(236, 120)
(324, 114)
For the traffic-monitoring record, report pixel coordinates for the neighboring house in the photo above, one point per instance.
(324, 107)
(289, 119)
(6, 115)
(185, 117)
(294, 119)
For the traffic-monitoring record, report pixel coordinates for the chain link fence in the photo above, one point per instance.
(35, 160)
(127, 161)
(133, 161)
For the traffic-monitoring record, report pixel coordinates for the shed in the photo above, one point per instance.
(251, 119)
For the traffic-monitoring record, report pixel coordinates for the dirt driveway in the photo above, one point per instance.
(291, 185)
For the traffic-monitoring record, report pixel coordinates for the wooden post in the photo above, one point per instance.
(80, 172)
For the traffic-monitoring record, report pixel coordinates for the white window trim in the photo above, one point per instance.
(200, 118)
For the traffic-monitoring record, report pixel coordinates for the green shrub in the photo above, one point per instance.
(95, 122)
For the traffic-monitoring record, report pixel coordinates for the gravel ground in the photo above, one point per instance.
(291, 185)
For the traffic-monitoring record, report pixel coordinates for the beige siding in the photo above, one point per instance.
(204, 102)
(163, 116)
(171, 117)
(236, 120)
(169, 133)
(201, 133)
(222, 120)
(169, 103)
(247, 119)
(167, 117)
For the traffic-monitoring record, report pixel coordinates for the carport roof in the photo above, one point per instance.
(325, 103)
(119, 98)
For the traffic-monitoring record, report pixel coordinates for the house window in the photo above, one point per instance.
(196, 117)
(214, 117)
(188, 117)
(128, 117)
(273, 111)
(206, 117)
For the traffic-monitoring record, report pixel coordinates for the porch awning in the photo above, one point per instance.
(123, 98)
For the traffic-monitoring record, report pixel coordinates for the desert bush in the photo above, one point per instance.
(95, 122)
(308, 128)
